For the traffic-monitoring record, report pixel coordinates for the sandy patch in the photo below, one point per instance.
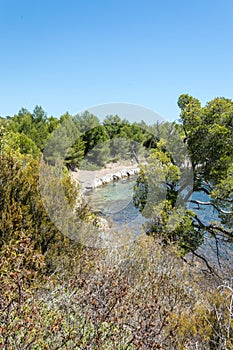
(87, 177)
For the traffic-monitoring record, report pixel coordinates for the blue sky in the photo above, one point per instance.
(69, 55)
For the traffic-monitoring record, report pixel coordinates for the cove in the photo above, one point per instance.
(114, 201)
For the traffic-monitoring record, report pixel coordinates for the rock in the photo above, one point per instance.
(130, 172)
(97, 183)
(106, 179)
(118, 175)
(124, 173)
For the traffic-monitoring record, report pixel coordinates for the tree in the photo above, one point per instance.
(85, 121)
(96, 148)
(127, 140)
(207, 134)
(160, 194)
(21, 206)
(112, 124)
(75, 153)
(21, 143)
(39, 115)
(34, 125)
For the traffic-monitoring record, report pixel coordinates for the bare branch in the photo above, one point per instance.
(195, 201)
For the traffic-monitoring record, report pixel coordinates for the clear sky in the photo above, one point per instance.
(68, 55)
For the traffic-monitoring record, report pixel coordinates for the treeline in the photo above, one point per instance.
(96, 143)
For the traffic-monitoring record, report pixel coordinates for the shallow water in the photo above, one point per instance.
(113, 197)
(217, 251)
(114, 201)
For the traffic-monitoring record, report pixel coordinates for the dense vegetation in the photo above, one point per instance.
(207, 133)
(150, 294)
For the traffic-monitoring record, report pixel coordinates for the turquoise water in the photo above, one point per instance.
(113, 197)
(114, 201)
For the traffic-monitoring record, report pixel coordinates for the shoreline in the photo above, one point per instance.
(90, 179)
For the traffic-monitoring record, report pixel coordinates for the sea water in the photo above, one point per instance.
(114, 201)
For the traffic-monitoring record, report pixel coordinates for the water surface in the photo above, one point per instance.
(114, 202)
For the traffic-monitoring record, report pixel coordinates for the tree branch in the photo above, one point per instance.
(195, 201)
(226, 232)
(202, 258)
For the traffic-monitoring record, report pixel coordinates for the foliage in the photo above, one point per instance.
(159, 197)
(79, 137)
(21, 143)
(209, 134)
(34, 125)
(58, 294)
(207, 138)
(21, 206)
(85, 121)
(138, 297)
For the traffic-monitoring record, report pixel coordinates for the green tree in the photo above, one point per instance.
(96, 148)
(21, 206)
(85, 121)
(159, 196)
(209, 134)
(33, 125)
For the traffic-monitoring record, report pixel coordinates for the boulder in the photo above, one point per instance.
(124, 173)
(130, 172)
(115, 177)
(97, 183)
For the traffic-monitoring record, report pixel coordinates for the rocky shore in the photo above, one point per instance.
(113, 172)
